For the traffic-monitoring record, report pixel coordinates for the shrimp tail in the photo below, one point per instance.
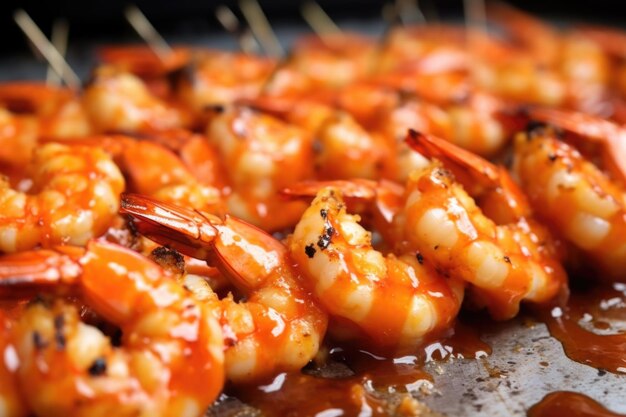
(501, 198)
(180, 228)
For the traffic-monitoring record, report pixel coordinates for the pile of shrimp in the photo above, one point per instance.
(218, 217)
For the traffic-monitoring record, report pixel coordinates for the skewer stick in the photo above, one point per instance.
(319, 20)
(261, 27)
(43, 45)
(229, 21)
(59, 37)
(476, 22)
(476, 15)
(409, 12)
(148, 33)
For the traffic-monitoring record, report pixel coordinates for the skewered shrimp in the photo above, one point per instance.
(58, 111)
(343, 147)
(206, 83)
(152, 169)
(579, 62)
(333, 60)
(575, 197)
(279, 327)
(610, 136)
(120, 102)
(73, 198)
(391, 301)
(11, 401)
(18, 138)
(262, 155)
(170, 362)
(143, 62)
(507, 257)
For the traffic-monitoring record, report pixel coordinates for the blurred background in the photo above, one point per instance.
(93, 23)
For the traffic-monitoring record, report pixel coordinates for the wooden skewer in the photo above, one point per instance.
(261, 27)
(148, 33)
(476, 23)
(47, 49)
(229, 21)
(59, 37)
(476, 15)
(319, 20)
(409, 12)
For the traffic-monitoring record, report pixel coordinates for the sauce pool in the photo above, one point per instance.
(569, 404)
(592, 326)
(363, 383)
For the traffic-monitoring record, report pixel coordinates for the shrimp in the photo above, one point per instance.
(333, 60)
(392, 302)
(206, 83)
(472, 124)
(18, 138)
(74, 196)
(575, 198)
(141, 60)
(258, 150)
(506, 255)
(610, 136)
(343, 147)
(152, 169)
(278, 327)
(169, 363)
(120, 102)
(11, 402)
(58, 111)
(579, 62)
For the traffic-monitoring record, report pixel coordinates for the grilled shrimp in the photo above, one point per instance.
(575, 198)
(120, 102)
(152, 169)
(73, 197)
(609, 137)
(506, 255)
(18, 139)
(58, 111)
(575, 62)
(207, 84)
(262, 155)
(278, 327)
(334, 60)
(169, 363)
(11, 402)
(391, 301)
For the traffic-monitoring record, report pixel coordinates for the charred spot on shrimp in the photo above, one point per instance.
(420, 258)
(324, 214)
(535, 127)
(98, 367)
(324, 240)
(552, 157)
(38, 341)
(59, 336)
(169, 259)
(309, 250)
(214, 108)
(507, 259)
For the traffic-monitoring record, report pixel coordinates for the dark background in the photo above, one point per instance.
(93, 23)
(101, 18)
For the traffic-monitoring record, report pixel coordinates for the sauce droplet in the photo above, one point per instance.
(570, 404)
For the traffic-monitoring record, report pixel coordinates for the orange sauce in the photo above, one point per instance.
(363, 382)
(592, 326)
(569, 404)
